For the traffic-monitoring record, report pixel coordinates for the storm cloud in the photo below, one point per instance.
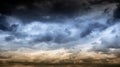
(60, 27)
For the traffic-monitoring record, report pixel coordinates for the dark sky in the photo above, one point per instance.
(38, 8)
(85, 25)
(54, 11)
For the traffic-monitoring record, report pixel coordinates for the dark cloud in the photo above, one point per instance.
(74, 25)
(93, 27)
(3, 24)
(65, 31)
(117, 12)
(39, 10)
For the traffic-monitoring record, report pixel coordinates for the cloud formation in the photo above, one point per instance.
(91, 34)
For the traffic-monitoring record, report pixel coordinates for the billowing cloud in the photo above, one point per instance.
(64, 32)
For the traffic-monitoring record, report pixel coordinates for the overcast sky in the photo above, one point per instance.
(63, 26)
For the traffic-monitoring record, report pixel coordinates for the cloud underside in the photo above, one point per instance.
(58, 56)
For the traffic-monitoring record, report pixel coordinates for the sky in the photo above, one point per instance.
(53, 31)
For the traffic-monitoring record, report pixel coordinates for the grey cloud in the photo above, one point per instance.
(110, 40)
(66, 34)
(55, 31)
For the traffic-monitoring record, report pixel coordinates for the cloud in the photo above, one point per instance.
(75, 30)
(56, 56)
(90, 35)
(110, 39)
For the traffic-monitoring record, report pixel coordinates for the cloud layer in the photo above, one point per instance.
(92, 34)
